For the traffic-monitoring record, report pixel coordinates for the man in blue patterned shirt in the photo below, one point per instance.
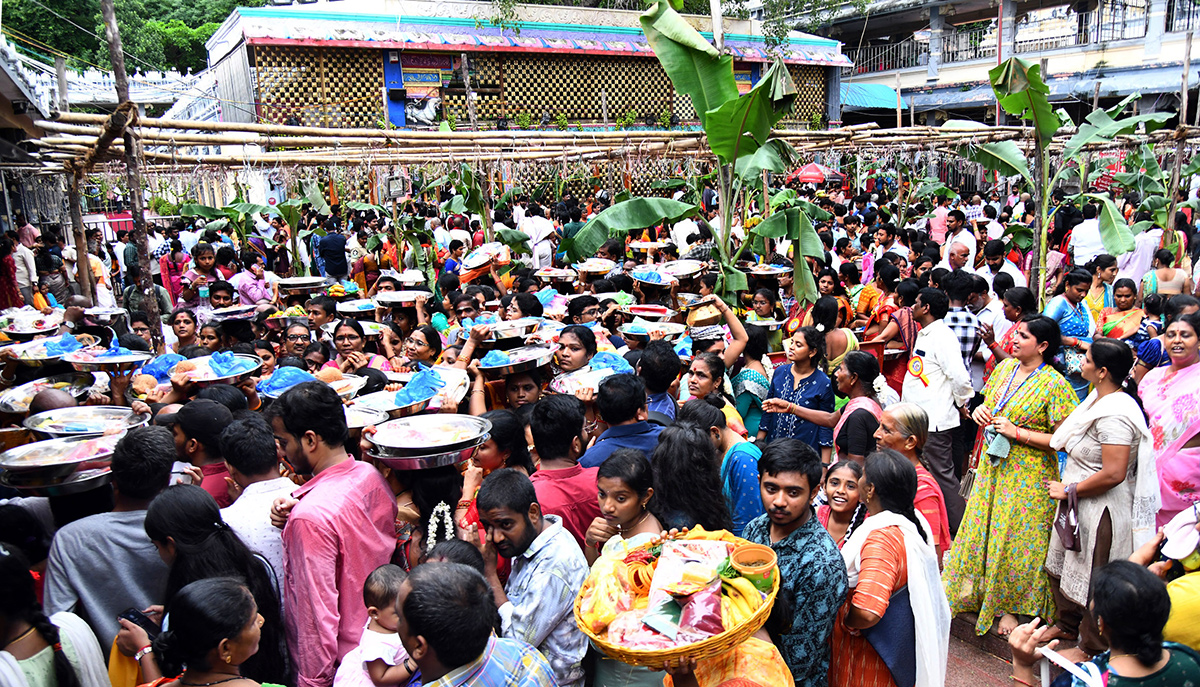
(446, 614)
(548, 569)
(811, 569)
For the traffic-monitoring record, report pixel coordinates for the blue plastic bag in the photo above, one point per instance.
(636, 329)
(648, 276)
(115, 349)
(423, 386)
(62, 345)
(495, 359)
(546, 295)
(283, 379)
(683, 347)
(610, 361)
(224, 364)
(160, 368)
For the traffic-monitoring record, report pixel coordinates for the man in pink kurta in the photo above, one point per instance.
(342, 528)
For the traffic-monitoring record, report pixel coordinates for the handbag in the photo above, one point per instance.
(1066, 520)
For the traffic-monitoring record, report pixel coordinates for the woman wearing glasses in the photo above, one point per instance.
(421, 349)
(350, 342)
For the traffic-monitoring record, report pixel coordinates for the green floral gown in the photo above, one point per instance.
(995, 564)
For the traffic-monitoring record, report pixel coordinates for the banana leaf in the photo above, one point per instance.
(203, 211)
(455, 206)
(776, 155)
(1114, 232)
(635, 213)
(1099, 127)
(1021, 92)
(312, 193)
(742, 125)
(694, 66)
(1004, 157)
(518, 241)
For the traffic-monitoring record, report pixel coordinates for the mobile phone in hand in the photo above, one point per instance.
(140, 619)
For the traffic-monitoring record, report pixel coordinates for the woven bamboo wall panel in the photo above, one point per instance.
(810, 83)
(331, 87)
(572, 85)
(487, 72)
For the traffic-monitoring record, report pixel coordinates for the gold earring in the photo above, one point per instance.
(229, 659)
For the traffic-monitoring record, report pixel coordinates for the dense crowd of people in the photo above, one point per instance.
(920, 440)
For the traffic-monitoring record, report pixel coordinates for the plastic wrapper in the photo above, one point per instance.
(609, 596)
(423, 385)
(495, 359)
(115, 349)
(629, 630)
(160, 368)
(62, 345)
(686, 567)
(649, 276)
(283, 379)
(702, 611)
(610, 361)
(224, 363)
(546, 295)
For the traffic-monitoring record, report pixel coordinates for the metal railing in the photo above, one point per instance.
(1112, 22)
(972, 44)
(881, 58)
(1183, 15)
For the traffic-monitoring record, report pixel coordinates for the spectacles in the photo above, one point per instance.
(415, 342)
(297, 337)
(347, 337)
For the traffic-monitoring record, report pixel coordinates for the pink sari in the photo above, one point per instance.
(1172, 401)
(864, 402)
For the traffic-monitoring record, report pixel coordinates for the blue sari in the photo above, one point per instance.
(1074, 321)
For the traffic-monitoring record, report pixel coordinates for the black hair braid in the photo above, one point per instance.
(64, 673)
(911, 514)
(860, 515)
(1149, 648)
(165, 653)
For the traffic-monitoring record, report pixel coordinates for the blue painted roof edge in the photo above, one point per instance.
(283, 12)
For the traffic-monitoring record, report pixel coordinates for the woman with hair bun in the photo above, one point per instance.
(1131, 606)
(59, 651)
(895, 589)
(1103, 269)
(215, 628)
(904, 428)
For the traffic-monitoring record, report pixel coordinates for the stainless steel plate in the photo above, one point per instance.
(426, 435)
(16, 399)
(83, 421)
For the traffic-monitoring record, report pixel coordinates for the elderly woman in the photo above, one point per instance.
(903, 428)
(895, 588)
(1108, 480)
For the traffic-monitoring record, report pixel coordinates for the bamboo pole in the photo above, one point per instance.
(1177, 165)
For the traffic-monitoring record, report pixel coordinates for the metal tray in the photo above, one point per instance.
(234, 379)
(428, 462)
(79, 482)
(554, 275)
(357, 307)
(513, 329)
(646, 245)
(538, 355)
(359, 417)
(116, 363)
(83, 421)
(78, 384)
(667, 279)
(432, 430)
(482, 255)
(767, 270)
(671, 330)
(56, 463)
(681, 268)
(33, 362)
(297, 284)
(348, 385)
(595, 266)
(769, 325)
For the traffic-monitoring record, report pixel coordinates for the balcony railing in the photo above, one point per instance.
(1112, 22)
(1183, 15)
(881, 58)
(972, 44)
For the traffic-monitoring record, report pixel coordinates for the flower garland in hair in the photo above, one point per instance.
(879, 384)
(440, 512)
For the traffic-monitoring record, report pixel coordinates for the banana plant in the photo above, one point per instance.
(1020, 90)
(738, 131)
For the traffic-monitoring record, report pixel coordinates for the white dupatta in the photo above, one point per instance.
(931, 612)
(90, 669)
(1146, 496)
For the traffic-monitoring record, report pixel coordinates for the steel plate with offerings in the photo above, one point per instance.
(25, 323)
(642, 246)
(411, 277)
(484, 254)
(234, 312)
(18, 398)
(501, 363)
(281, 320)
(640, 330)
(583, 378)
(50, 350)
(681, 269)
(513, 329)
(555, 274)
(107, 359)
(768, 270)
(649, 312)
(769, 325)
(348, 385)
(358, 417)
(697, 594)
(357, 307)
(653, 276)
(76, 483)
(83, 421)
(398, 299)
(47, 462)
(219, 368)
(428, 441)
(595, 266)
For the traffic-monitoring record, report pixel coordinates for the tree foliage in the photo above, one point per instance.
(156, 34)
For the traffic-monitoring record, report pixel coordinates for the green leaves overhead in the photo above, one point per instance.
(776, 155)
(934, 187)
(315, 197)
(694, 66)
(454, 206)
(203, 211)
(635, 213)
(518, 241)
(743, 123)
(1114, 232)
(1004, 157)
(1021, 92)
(1099, 127)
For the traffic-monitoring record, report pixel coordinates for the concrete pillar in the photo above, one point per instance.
(1155, 29)
(935, 44)
(1008, 28)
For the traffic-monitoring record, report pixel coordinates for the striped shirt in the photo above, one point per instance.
(504, 663)
(884, 571)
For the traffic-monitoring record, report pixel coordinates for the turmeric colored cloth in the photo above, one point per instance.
(854, 662)
(753, 663)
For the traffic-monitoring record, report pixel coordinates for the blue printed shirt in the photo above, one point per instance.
(739, 481)
(813, 392)
(813, 572)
